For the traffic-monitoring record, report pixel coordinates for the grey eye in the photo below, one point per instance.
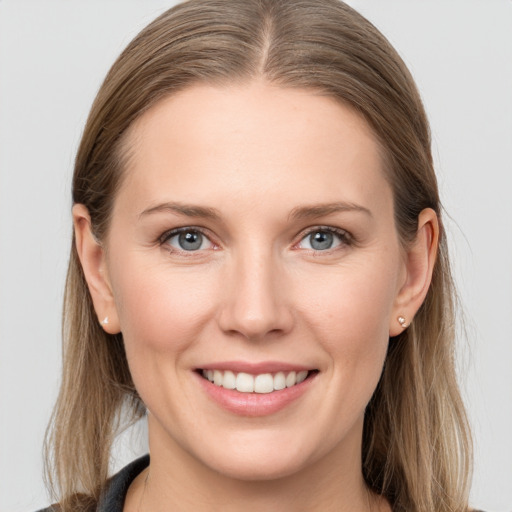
(321, 240)
(190, 240)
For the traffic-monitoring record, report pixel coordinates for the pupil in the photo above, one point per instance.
(321, 240)
(190, 240)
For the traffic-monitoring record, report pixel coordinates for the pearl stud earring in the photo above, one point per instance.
(104, 321)
(401, 321)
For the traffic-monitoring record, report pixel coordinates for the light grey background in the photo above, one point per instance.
(53, 56)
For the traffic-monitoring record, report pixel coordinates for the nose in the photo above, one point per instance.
(255, 302)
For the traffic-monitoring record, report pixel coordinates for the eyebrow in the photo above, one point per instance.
(321, 210)
(187, 210)
(298, 213)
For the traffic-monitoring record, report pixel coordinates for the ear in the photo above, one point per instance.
(420, 257)
(93, 260)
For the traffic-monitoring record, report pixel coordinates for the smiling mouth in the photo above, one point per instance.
(261, 383)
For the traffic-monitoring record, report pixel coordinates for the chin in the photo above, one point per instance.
(259, 470)
(260, 459)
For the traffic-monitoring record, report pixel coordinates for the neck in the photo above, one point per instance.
(176, 480)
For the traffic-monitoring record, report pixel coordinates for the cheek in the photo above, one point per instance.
(162, 309)
(162, 314)
(353, 301)
(349, 315)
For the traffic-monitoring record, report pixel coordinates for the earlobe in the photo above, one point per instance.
(419, 264)
(93, 261)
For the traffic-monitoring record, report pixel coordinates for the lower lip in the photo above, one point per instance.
(255, 404)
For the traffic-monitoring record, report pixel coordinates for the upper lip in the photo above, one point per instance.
(255, 368)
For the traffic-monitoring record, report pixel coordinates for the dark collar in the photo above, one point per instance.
(112, 499)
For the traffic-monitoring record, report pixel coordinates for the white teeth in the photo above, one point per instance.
(217, 378)
(291, 379)
(301, 376)
(264, 383)
(279, 381)
(247, 383)
(229, 381)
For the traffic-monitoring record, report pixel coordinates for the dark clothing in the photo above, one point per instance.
(112, 499)
(115, 493)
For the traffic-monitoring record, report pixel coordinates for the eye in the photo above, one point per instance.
(323, 239)
(187, 239)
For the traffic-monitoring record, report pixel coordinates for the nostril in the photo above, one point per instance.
(255, 309)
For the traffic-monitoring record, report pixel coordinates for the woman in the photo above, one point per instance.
(259, 263)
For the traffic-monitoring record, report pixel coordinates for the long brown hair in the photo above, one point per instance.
(416, 440)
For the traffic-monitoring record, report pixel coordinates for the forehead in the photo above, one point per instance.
(256, 141)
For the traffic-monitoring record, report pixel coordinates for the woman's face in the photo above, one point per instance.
(252, 241)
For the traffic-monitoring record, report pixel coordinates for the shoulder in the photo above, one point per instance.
(113, 496)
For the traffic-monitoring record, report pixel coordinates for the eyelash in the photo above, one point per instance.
(165, 237)
(346, 239)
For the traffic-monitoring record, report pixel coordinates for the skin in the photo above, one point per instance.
(255, 291)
